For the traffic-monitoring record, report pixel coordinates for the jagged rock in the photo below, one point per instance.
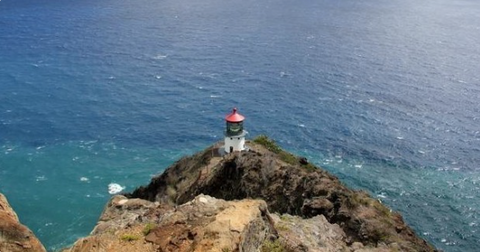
(13, 235)
(288, 186)
(312, 234)
(202, 224)
(303, 160)
(316, 206)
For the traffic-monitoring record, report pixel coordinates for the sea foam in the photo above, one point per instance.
(114, 188)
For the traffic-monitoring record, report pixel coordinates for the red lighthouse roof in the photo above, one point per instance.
(234, 117)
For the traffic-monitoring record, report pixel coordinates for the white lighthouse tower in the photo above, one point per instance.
(234, 133)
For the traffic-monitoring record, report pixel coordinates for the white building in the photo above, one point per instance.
(234, 133)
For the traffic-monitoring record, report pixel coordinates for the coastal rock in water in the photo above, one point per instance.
(13, 235)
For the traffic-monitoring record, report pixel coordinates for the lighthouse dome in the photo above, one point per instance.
(234, 117)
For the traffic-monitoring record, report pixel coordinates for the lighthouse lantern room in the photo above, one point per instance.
(234, 132)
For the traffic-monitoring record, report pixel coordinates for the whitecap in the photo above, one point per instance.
(160, 56)
(84, 179)
(382, 195)
(40, 178)
(114, 188)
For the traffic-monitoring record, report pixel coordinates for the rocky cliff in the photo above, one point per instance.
(13, 235)
(263, 199)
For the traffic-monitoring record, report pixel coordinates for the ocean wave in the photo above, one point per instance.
(114, 188)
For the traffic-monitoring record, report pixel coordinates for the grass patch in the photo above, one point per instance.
(281, 227)
(285, 156)
(267, 143)
(272, 246)
(129, 237)
(382, 208)
(285, 217)
(288, 158)
(148, 228)
(357, 199)
(310, 167)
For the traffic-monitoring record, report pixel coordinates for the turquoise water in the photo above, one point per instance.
(382, 94)
(60, 190)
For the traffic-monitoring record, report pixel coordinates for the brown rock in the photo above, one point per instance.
(313, 210)
(288, 186)
(312, 234)
(316, 206)
(203, 224)
(13, 235)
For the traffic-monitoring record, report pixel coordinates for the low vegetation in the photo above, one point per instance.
(148, 228)
(267, 143)
(285, 156)
(129, 237)
(272, 246)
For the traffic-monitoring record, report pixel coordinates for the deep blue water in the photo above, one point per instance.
(384, 94)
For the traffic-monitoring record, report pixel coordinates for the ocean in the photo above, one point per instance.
(383, 94)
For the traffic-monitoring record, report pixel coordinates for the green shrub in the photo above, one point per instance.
(285, 156)
(310, 167)
(267, 143)
(148, 228)
(129, 237)
(275, 246)
(281, 227)
(288, 158)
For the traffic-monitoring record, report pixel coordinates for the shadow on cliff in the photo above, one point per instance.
(289, 185)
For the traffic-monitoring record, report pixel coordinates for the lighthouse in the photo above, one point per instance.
(234, 132)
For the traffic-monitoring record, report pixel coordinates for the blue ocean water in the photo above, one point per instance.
(384, 94)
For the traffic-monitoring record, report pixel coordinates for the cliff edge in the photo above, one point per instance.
(263, 199)
(13, 235)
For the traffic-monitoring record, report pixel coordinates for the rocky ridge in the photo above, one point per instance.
(13, 235)
(263, 199)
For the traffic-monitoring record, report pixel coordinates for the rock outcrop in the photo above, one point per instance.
(202, 224)
(263, 199)
(13, 235)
